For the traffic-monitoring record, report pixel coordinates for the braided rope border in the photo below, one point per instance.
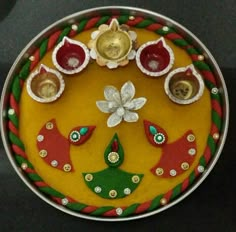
(110, 211)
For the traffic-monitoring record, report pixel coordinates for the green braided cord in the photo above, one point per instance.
(176, 191)
(16, 88)
(102, 20)
(14, 119)
(155, 203)
(82, 25)
(16, 140)
(192, 177)
(21, 160)
(25, 70)
(64, 33)
(51, 192)
(130, 210)
(76, 206)
(43, 48)
(34, 177)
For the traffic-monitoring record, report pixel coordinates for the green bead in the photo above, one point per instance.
(83, 130)
(153, 130)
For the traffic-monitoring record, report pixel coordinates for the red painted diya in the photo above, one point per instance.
(184, 85)
(45, 85)
(70, 56)
(155, 58)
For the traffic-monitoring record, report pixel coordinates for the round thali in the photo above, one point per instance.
(114, 113)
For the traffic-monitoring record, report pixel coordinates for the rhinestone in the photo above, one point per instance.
(173, 172)
(31, 58)
(191, 138)
(113, 157)
(97, 189)
(163, 201)
(200, 57)
(74, 136)
(88, 177)
(165, 28)
(192, 151)
(131, 17)
(54, 163)
(216, 136)
(185, 166)
(159, 171)
(67, 167)
(113, 193)
(43, 153)
(40, 138)
(11, 111)
(214, 90)
(119, 211)
(64, 201)
(127, 191)
(200, 168)
(49, 125)
(159, 138)
(74, 27)
(135, 179)
(24, 166)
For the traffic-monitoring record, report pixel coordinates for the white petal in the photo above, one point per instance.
(93, 54)
(130, 116)
(112, 65)
(105, 106)
(136, 103)
(132, 55)
(109, 91)
(113, 120)
(132, 35)
(127, 92)
(94, 34)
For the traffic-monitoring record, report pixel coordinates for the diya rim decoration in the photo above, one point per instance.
(9, 111)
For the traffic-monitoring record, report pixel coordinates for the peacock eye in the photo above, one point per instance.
(81, 134)
(155, 134)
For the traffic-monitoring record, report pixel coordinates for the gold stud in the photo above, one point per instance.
(49, 125)
(43, 153)
(191, 138)
(159, 171)
(135, 179)
(131, 17)
(67, 167)
(113, 193)
(88, 177)
(185, 166)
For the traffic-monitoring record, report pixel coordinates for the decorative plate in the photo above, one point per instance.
(116, 116)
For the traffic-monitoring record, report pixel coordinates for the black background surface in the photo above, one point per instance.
(211, 207)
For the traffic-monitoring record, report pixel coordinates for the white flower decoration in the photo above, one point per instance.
(121, 104)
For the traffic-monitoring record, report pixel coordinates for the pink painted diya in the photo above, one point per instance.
(70, 56)
(184, 85)
(155, 58)
(45, 85)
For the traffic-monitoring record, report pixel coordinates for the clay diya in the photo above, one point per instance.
(113, 45)
(155, 58)
(70, 56)
(45, 85)
(184, 85)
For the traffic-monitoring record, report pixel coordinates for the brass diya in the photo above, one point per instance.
(184, 85)
(112, 45)
(45, 85)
